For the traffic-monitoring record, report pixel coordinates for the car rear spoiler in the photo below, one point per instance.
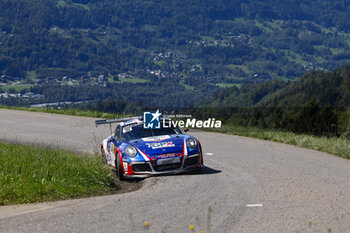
(116, 120)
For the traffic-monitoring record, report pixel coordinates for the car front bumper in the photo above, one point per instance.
(185, 166)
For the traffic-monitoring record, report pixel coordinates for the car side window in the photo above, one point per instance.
(117, 133)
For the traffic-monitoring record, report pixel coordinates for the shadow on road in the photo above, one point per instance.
(131, 185)
(205, 171)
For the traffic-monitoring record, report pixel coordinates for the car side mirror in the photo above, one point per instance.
(186, 130)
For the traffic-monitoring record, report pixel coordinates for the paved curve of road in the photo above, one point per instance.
(248, 185)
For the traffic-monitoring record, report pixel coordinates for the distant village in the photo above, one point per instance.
(28, 95)
(13, 85)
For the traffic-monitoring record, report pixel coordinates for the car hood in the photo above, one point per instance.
(160, 144)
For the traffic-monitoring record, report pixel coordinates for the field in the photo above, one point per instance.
(18, 87)
(132, 80)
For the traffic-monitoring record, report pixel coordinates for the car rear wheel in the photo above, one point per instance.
(118, 167)
(103, 156)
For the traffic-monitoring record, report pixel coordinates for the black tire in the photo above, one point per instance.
(118, 167)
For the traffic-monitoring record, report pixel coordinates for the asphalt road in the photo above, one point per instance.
(248, 185)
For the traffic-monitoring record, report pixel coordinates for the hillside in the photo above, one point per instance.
(330, 88)
(223, 41)
(317, 103)
(217, 43)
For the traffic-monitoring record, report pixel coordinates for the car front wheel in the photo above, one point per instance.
(119, 169)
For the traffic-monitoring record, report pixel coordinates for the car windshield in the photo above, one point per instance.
(135, 131)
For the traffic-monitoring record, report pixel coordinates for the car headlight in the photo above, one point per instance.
(130, 151)
(191, 143)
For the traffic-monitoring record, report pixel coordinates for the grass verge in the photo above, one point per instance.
(333, 145)
(63, 111)
(31, 174)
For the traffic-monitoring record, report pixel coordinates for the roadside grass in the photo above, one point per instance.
(31, 174)
(69, 111)
(333, 145)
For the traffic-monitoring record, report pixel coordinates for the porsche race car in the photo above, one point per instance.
(136, 152)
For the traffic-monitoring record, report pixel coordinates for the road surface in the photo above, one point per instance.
(248, 185)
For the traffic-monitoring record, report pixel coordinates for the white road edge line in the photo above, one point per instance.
(254, 205)
(209, 154)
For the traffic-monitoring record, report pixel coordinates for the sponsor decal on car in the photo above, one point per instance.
(108, 157)
(166, 156)
(125, 165)
(156, 138)
(158, 145)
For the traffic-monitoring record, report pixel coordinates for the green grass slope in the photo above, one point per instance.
(30, 174)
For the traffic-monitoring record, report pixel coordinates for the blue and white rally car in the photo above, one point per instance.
(136, 152)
